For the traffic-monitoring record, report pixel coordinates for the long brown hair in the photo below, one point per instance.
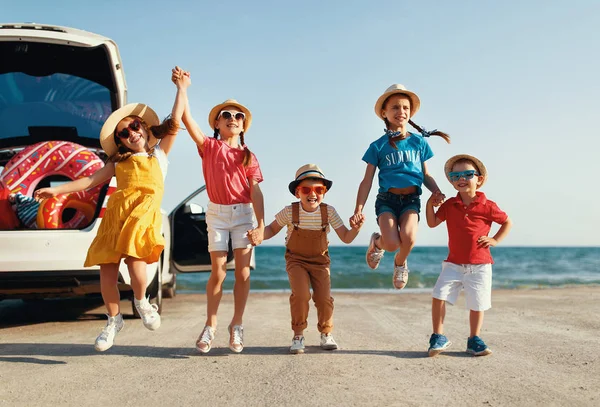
(247, 154)
(393, 137)
(168, 127)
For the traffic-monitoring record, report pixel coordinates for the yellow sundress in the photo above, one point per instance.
(132, 222)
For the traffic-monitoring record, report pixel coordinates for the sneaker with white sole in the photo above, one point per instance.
(204, 342)
(400, 277)
(477, 347)
(297, 344)
(327, 342)
(148, 312)
(106, 339)
(374, 254)
(437, 344)
(236, 338)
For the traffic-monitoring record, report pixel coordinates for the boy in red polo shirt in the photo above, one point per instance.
(469, 216)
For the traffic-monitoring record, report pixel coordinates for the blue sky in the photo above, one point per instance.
(514, 83)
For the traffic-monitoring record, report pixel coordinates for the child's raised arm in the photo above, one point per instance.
(182, 83)
(96, 178)
(190, 124)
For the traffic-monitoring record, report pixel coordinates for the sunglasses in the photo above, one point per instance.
(226, 114)
(134, 125)
(467, 175)
(318, 189)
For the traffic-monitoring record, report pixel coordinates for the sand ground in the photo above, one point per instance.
(545, 345)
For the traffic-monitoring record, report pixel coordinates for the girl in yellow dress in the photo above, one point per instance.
(131, 226)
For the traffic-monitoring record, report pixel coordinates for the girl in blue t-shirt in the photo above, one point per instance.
(400, 157)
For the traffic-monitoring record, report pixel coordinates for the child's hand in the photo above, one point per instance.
(256, 236)
(357, 220)
(180, 77)
(44, 193)
(486, 241)
(437, 198)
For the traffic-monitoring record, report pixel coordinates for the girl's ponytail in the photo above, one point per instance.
(247, 154)
(426, 133)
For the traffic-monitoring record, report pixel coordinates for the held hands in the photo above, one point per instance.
(44, 193)
(357, 220)
(437, 198)
(181, 78)
(256, 236)
(486, 241)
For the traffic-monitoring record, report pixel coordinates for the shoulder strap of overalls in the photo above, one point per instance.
(295, 214)
(324, 217)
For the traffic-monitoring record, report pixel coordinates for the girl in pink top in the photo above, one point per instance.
(232, 175)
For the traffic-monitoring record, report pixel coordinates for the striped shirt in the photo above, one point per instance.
(308, 220)
(27, 209)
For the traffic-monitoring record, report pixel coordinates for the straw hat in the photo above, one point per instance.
(395, 89)
(478, 164)
(141, 110)
(212, 116)
(309, 171)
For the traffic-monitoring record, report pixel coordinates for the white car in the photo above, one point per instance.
(57, 87)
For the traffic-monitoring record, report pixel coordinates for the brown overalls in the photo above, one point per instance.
(307, 264)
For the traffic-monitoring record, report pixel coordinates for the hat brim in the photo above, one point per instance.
(212, 116)
(141, 110)
(294, 184)
(415, 102)
(478, 163)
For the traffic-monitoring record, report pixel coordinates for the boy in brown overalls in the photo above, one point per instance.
(307, 254)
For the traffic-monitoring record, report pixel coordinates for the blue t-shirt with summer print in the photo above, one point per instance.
(399, 168)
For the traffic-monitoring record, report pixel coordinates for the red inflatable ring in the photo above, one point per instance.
(25, 171)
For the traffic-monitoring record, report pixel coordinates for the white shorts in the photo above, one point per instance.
(476, 279)
(223, 221)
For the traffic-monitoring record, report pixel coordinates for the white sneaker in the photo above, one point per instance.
(374, 254)
(148, 312)
(297, 344)
(106, 339)
(327, 342)
(400, 277)
(204, 342)
(236, 338)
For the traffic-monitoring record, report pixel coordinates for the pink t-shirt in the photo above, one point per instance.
(225, 176)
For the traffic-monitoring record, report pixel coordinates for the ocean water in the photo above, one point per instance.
(514, 268)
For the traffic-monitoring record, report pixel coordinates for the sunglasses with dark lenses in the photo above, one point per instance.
(134, 125)
(226, 114)
(467, 175)
(318, 189)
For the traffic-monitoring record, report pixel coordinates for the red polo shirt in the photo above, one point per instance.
(466, 224)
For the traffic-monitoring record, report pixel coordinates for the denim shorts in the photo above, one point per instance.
(397, 204)
(225, 221)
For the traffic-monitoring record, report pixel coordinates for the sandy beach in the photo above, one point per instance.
(544, 342)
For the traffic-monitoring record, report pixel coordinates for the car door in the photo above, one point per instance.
(189, 236)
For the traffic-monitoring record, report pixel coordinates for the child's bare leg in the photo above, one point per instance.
(476, 321)
(389, 239)
(137, 273)
(214, 286)
(109, 276)
(438, 314)
(408, 226)
(241, 287)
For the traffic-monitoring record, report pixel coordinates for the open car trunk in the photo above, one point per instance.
(54, 99)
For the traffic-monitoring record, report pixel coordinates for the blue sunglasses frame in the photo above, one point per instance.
(455, 176)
